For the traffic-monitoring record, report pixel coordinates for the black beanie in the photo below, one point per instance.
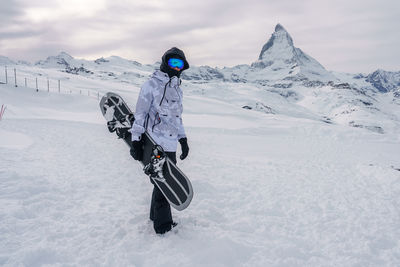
(173, 53)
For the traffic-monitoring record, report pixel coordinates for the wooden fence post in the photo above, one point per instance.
(3, 109)
(15, 77)
(6, 74)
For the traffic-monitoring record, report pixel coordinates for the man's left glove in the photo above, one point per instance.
(137, 150)
(184, 147)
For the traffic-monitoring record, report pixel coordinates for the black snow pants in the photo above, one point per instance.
(160, 210)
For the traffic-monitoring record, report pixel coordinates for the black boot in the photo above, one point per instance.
(160, 212)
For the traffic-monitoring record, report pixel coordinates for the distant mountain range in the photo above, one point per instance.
(280, 64)
(282, 80)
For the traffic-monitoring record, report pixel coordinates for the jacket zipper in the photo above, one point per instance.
(156, 123)
(165, 89)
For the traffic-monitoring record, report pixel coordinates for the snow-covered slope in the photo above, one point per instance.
(280, 179)
(277, 188)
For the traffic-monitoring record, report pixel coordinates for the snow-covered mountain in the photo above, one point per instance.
(65, 62)
(63, 59)
(384, 81)
(6, 61)
(283, 80)
(280, 64)
(110, 68)
(280, 55)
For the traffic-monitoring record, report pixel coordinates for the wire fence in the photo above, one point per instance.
(39, 82)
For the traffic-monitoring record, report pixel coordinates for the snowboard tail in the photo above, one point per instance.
(171, 181)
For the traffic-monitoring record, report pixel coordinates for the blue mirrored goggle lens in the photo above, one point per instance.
(175, 63)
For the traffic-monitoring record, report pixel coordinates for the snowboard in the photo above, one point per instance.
(163, 172)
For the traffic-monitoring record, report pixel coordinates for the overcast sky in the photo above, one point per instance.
(343, 35)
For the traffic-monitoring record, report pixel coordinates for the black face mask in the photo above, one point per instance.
(168, 70)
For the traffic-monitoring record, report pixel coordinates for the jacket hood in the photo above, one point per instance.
(173, 52)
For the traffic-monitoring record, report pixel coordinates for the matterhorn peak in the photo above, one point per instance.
(280, 55)
(279, 27)
(279, 39)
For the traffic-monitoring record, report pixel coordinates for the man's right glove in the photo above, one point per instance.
(123, 133)
(137, 150)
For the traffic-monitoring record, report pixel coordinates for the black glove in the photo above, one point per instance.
(137, 150)
(123, 133)
(185, 148)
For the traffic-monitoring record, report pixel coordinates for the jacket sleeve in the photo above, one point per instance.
(142, 110)
(181, 132)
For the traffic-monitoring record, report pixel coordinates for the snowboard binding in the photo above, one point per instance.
(117, 121)
(121, 125)
(154, 168)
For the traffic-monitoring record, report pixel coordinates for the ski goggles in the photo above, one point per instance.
(176, 63)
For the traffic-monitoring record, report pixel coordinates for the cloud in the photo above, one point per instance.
(343, 35)
(9, 11)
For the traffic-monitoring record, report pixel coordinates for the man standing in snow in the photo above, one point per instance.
(159, 111)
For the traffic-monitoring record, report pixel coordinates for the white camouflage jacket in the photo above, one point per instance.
(159, 111)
